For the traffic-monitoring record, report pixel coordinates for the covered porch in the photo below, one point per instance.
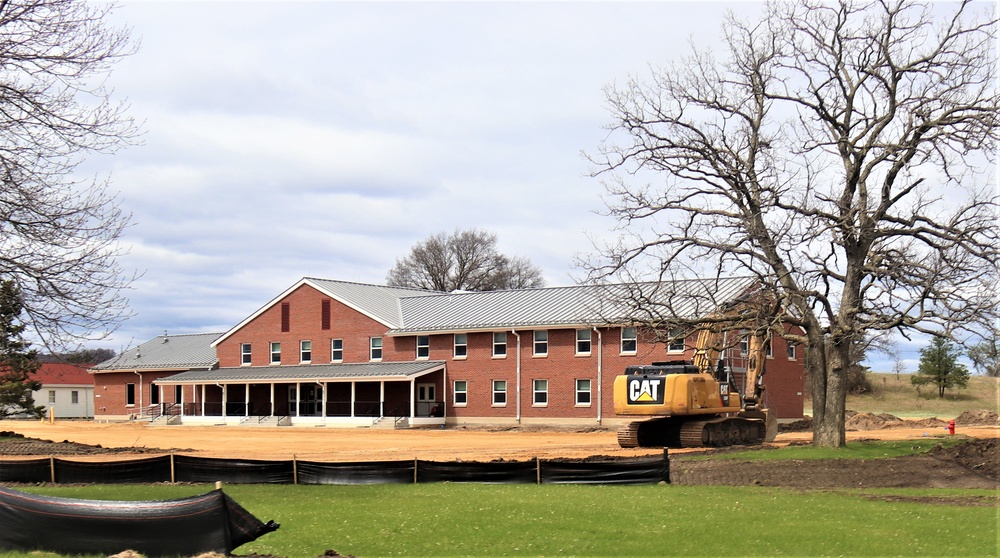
(398, 394)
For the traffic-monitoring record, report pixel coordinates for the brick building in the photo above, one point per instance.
(347, 354)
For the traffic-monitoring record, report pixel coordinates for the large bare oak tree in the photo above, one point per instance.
(59, 232)
(465, 260)
(841, 152)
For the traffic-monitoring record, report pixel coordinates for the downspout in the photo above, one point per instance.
(518, 397)
(600, 369)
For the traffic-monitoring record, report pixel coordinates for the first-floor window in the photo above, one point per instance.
(461, 345)
(423, 346)
(52, 397)
(583, 392)
(154, 395)
(130, 394)
(461, 392)
(305, 351)
(275, 353)
(499, 392)
(337, 350)
(540, 391)
(245, 353)
(376, 348)
(74, 397)
(629, 340)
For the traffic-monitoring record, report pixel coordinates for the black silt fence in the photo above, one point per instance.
(180, 468)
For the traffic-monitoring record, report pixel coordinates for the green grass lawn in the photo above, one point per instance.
(453, 519)
(894, 394)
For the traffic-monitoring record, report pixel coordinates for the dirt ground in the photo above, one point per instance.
(974, 465)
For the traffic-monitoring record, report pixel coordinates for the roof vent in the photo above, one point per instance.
(137, 355)
(165, 339)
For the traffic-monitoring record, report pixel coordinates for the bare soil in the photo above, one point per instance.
(975, 464)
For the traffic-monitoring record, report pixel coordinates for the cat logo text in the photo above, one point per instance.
(645, 391)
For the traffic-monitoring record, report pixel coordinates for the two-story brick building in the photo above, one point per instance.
(348, 354)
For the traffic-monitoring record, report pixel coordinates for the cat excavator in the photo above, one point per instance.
(696, 403)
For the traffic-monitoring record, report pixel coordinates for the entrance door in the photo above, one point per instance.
(427, 403)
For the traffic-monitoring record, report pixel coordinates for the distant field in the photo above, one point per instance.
(895, 395)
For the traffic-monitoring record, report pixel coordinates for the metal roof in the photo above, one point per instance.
(567, 306)
(376, 301)
(366, 371)
(166, 352)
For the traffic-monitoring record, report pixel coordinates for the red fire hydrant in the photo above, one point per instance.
(951, 427)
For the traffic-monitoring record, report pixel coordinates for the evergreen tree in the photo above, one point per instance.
(939, 366)
(18, 361)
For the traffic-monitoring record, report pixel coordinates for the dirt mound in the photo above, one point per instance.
(869, 421)
(978, 418)
(16, 444)
(974, 464)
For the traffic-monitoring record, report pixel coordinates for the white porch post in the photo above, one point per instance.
(413, 398)
(323, 386)
(353, 397)
(203, 399)
(225, 400)
(246, 411)
(298, 398)
(272, 399)
(381, 398)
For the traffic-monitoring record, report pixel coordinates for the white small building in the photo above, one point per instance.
(67, 389)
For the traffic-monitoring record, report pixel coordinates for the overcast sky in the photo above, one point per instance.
(324, 139)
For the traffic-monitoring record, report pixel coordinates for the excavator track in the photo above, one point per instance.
(674, 432)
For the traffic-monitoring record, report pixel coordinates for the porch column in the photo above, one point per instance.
(381, 398)
(413, 398)
(353, 397)
(323, 385)
(181, 402)
(203, 399)
(298, 397)
(272, 399)
(246, 411)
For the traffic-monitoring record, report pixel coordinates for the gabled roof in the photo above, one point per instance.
(62, 373)
(166, 352)
(378, 302)
(308, 373)
(582, 305)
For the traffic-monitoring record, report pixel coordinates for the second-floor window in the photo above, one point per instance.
(337, 350)
(500, 343)
(245, 354)
(461, 345)
(791, 351)
(423, 346)
(583, 341)
(629, 340)
(541, 343)
(676, 343)
(305, 351)
(375, 345)
(275, 353)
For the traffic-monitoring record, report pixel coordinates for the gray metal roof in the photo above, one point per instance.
(567, 306)
(166, 352)
(367, 371)
(376, 301)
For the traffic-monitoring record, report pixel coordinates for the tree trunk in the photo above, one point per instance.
(829, 391)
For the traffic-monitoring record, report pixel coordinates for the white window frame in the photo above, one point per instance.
(768, 348)
(580, 391)
(540, 346)
(275, 352)
(375, 348)
(52, 397)
(500, 342)
(461, 388)
(423, 347)
(540, 393)
(677, 343)
(790, 350)
(74, 397)
(246, 354)
(584, 342)
(305, 351)
(461, 350)
(334, 350)
(744, 343)
(497, 391)
(633, 338)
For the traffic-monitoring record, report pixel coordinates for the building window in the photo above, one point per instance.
(461, 345)
(541, 346)
(305, 351)
(791, 351)
(768, 353)
(461, 393)
(676, 343)
(540, 393)
(375, 346)
(325, 314)
(337, 350)
(583, 392)
(499, 392)
(286, 317)
(744, 343)
(423, 346)
(130, 395)
(154, 395)
(52, 397)
(275, 353)
(583, 341)
(245, 354)
(500, 344)
(74, 397)
(629, 340)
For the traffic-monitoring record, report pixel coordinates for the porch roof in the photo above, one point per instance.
(349, 372)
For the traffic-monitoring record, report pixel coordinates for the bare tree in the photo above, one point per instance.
(985, 355)
(59, 234)
(838, 151)
(465, 260)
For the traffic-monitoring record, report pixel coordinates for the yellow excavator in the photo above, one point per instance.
(695, 403)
